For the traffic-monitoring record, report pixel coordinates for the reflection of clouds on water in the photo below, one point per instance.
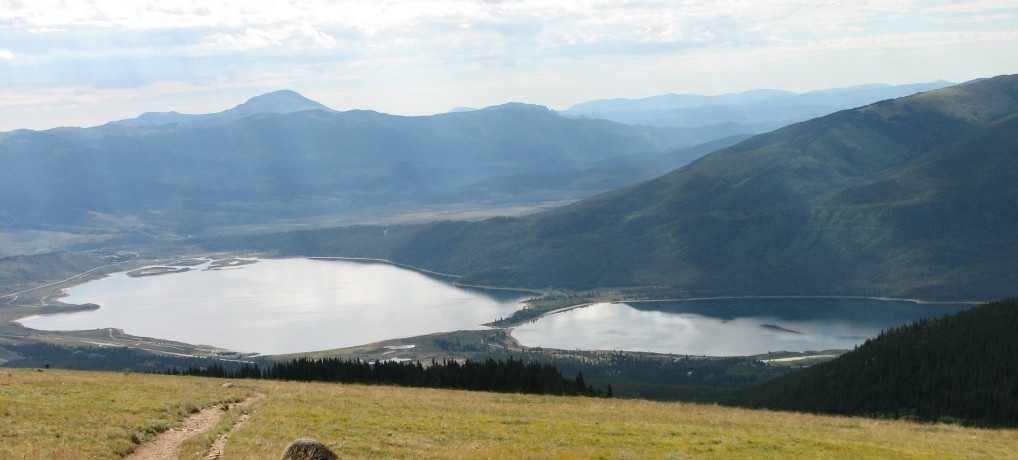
(281, 306)
(621, 327)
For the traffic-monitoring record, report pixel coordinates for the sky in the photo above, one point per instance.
(86, 62)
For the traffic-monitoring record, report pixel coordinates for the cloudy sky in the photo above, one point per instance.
(85, 62)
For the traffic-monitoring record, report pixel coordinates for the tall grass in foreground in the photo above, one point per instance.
(65, 414)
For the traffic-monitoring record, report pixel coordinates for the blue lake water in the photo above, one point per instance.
(292, 305)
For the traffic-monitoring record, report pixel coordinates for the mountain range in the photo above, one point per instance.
(911, 197)
(276, 102)
(281, 159)
(281, 156)
(703, 118)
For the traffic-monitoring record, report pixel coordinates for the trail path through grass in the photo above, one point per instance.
(168, 443)
(218, 447)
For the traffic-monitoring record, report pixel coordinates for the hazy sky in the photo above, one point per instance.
(85, 62)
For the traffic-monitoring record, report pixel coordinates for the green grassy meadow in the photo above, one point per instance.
(70, 414)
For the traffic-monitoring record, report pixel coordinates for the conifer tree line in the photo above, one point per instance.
(510, 376)
(959, 368)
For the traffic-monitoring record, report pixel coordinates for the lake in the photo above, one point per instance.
(726, 327)
(279, 306)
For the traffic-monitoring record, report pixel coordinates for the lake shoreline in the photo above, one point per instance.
(281, 305)
(230, 261)
(723, 326)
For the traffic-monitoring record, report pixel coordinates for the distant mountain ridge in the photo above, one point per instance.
(914, 197)
(276, 102)
(845, 95)
(282, 157)
(749, 112)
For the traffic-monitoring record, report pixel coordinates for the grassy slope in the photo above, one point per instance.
(64, 414)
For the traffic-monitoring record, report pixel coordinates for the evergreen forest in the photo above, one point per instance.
(509, 376)
(961, 368)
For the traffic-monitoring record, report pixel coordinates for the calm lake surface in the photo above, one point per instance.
(281, 305)
(726, 327)
(278, 306)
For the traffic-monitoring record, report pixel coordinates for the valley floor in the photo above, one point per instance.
(66, 414)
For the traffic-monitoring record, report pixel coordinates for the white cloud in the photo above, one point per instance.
(473, 52)
(298, 37)
(923, 40)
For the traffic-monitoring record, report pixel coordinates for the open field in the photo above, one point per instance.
(64, 414)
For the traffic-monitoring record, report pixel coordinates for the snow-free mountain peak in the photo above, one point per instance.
(276, 102)
(282, 101)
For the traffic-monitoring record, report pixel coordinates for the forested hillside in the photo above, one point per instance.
(958, 368)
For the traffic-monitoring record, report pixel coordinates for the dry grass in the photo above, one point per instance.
(60, 414)
(385, 422)
(63, 414)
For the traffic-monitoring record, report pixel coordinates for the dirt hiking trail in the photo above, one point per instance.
(166, 444)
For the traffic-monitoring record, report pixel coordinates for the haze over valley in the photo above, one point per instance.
(282, 160)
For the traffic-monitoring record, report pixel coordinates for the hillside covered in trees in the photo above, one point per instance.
(962, 368)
